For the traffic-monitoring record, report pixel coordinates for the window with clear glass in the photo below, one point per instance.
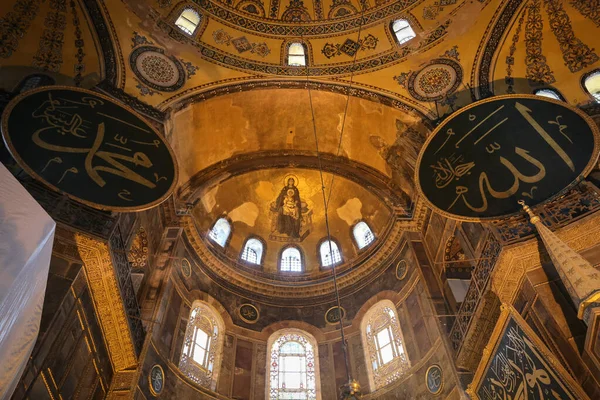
(200, 356)
(253, 250)
(220, 232)
(292, 366)
(188, 21)
(296, 55)
(384, 344)
(363, 235)
(403, 31)
(291, 260)
(592, 84)
(330, 255)
(549, 93)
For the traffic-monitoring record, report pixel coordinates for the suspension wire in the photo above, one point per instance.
(327, 198)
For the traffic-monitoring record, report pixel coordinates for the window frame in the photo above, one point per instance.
(355, 242)
(394, 33)
(213, 241)
(302, 260)
(320, 258)
(271, 372)
(200, 373)
(286, 49)
(551, 90)
(384, 373)
(594, 97)
(262, 256)
(179, 15)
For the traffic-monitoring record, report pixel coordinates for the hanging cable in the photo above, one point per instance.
(326, 198)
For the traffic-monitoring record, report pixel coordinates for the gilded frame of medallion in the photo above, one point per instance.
(344, 314)
(439, 391)
(33, 174)
(589, 167)
(508, 312)
(248, 321)
(405, 273)
(152, 391)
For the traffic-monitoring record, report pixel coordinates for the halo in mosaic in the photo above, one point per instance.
(435, 81)
(157, 70)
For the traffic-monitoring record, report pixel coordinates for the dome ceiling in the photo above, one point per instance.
(250, 202)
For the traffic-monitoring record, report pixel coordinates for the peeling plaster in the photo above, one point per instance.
(350, 211)
(246, 213)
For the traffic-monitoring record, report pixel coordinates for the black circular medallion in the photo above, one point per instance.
(90, 147)
(487, 156)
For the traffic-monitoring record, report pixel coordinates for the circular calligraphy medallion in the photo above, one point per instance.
(484, 158)
(186, 268)
(435, 81)
(434, 379)
(156, 380)
(333, 315)
(91, 148)
(401, 269)
(249, 313)
(157, 70)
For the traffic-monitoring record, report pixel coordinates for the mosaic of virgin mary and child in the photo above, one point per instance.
(291, 219)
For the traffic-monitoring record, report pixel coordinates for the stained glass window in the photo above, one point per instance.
(291, 260)
(329, 256)
(188, 21)
(296, 55)
(363, 235)
(403, 31)
(292, 366)
(253, 250)
(592, 84)
(202, 346)
(220, 232)
(384, 344)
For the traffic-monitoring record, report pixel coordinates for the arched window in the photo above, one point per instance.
(403, 31)
(34, 81)
(293, 365)
(549, 93)
(384, 344)
(363, 235)
(592, 85)
(291, 260)
(296, 55)
(202, 347)
(220, 232)
(253, 251)
(329, 256)
(188, 20)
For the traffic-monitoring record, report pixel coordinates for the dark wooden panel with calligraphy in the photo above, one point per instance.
(89, 147)
(484, 158)
(520, 366)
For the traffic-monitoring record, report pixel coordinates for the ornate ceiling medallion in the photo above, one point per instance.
(157, 70)
(249, 313)
(401, 270)
(436, 81)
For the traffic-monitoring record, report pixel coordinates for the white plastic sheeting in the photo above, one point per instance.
(26, 236)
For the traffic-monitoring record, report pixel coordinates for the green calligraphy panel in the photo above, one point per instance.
(485, 157)
(89, 147)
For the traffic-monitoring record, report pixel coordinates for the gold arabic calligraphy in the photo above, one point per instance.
(452, 168)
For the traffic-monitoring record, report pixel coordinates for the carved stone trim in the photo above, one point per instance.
(104, 289)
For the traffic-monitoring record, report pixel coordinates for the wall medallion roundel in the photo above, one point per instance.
(186, 267)
(333, 315)
(434, 379)
(249, 313)
(401, 269)
(436, 81)
(156, 380)
(157, 70)
(90, 147)
(486, 157)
